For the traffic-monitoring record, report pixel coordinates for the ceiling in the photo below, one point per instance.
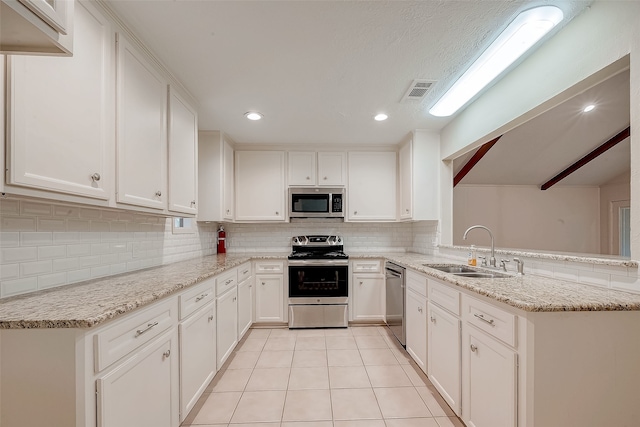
(539, 149)
(318, 70)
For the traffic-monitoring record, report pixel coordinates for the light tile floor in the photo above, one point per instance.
(354, 377)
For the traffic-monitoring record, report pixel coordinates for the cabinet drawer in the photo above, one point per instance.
(226, 281)
(490, 319)
(417, 283)
(244, 272)
(192, 299)
(444, 296)
(367, 266)
(133, 331)
(270, 267)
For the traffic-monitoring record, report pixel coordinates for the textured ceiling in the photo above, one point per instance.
(318, 70)
(536, 151)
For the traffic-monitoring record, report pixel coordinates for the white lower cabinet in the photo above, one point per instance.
(269, 298)
(245, 307)
(489, 385)
(416, 318)
(444, 355)
(368, 297)
(141, 391)
(226, 325)
(197, 356)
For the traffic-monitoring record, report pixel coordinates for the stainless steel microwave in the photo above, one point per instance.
(314, 202)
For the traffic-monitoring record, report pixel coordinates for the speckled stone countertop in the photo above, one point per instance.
(528, 293)
(557, 256)
(91, 303)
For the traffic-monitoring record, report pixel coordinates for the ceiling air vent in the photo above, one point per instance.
(417, 91)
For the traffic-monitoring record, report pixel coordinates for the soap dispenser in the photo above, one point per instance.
(471, 259)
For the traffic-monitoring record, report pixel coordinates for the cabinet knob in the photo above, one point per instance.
(355, 212)
(433, 319)
(193, 203)
(263, 283)
(166, 353)
(228, 210)
(361, 282)
(406, 210)
(325, 178)
(308, 178)
(210, 318)
(420, 309)
(474, 348)
(277, 213)
(159, 193)
(235, 298)
(95, 177)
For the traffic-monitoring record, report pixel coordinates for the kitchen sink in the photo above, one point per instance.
(451, 268)
(464, 271)
(483, 275)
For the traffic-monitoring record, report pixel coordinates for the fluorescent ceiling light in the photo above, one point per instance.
(523, 32)
(589, 108)
(253, 115)
(380, 117)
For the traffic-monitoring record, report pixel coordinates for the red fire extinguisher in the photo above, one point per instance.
(222, 241)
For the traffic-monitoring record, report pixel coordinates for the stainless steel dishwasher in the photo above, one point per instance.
(395, 286)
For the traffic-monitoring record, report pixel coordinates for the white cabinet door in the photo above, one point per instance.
(368, 297)
(260, 186)
(228, 184)
(245, 307)
(226, 325)
(406, 182)
(143, 390)
(183, 155)
(60, 121)
(372, 186)
(141, 133)
(444, 355)
(269, 298)
(416, 318)
(197, 356)
(302, 168)
(489, 381)
(332, 168)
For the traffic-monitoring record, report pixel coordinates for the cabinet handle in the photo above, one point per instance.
(245, 272)
(433, 319)
(355, 212)
(159, 193)
(95, 177)
(228, 281)
(147, 329)
(420, 309)
(201, 297)
(235, 298)
(210, 318)
(166, 353)
(361, 282)
(193, 203)
(474, 348)
(406, 210)
(325, 178)
(228, 210)
(481, 317)
(263, 283)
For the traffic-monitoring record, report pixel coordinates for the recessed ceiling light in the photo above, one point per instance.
(521, 34)
(253, 115)
(380, 117)
(588, 108)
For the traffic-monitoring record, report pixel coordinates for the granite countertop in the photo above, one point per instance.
(91, 303)
(87, 304)
(529, 293)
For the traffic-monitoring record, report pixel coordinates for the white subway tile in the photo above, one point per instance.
(14, 223)
(100, 226)
(66, 237)
(66, 211)
(9, 271)
(51, 280)
(564, 273)
(28, 238)
(594, 278)
(47, 252)
(118, 226)
(9, 207)
(9, 239)
(90, 237)
(90, 213)
(78, 225)
(100, 248)
(118, 268)
(133, 265)
(109, 259)
(33, 208)
(66, 264)
(117, 247)
(35, 268)
(110, 215)
(125, 256)
(611, 269)
(100, 271)
(626, 283)
(78, 275)
(79, 249)
(11, 255)
(18, 286)
(89, 261)
(51, 224)
(125, 216)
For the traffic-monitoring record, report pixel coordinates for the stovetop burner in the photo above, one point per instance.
(317, 247)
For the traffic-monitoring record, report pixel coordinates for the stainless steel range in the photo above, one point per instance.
(318, 282)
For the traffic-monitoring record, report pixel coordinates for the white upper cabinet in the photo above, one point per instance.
(42, 27)
(183, 155)
(406, 183)
(141, 134)
(321, 168)
(228, 184)
(372, 186)
(260, 186)
(215, 177)
(420, 168)
(60, 120)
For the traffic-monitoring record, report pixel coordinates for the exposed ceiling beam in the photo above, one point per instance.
(474, 160)
(589, 157)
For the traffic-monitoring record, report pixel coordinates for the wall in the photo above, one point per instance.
(418, 237)
(562, 219)
(46, 245)
(616, 190)
(603, 34)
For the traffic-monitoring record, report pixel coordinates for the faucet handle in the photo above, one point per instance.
(503, 264)
(484, 260)
(520, 266)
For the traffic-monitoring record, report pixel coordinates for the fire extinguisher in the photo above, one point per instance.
(222, 241)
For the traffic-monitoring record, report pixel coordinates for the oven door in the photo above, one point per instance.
(318, 281)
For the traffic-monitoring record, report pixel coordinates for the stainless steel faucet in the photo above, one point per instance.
(492, 260)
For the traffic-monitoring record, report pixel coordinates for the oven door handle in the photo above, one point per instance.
(319, 262)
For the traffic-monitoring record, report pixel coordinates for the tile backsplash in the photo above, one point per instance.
(45, 245)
